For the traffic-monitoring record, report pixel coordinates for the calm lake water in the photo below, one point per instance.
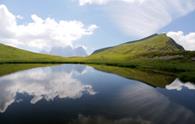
(78, 94)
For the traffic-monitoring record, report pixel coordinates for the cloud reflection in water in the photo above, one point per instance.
(41, 83)
(178, 85)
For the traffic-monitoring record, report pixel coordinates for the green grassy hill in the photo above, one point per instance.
(12, 54)
(155, 45)
(150, 47)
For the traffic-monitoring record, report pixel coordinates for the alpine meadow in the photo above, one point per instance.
(97, 62)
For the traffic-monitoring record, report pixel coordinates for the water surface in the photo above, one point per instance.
(81, 94)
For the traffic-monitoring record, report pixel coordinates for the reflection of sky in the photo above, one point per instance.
(102, 120)
(181, 93)
(118, 100)
(145, 101)
(42, 83)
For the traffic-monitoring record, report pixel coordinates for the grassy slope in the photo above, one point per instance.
(153, 49)
(157, 45)
(11, 54)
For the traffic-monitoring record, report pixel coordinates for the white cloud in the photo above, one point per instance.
(150, 16)
(40, 33)
(41, 83)
(144, 17)
(178, 85)
(102, 2)
(187, 41)
(132, 1)
(7, 22)
(19, 17)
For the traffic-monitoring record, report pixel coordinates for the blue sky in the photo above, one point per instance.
(116, 21)
(184, 24)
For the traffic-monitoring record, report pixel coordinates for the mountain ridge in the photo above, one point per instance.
(172, 42)
(158, 44)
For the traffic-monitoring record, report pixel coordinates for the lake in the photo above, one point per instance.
(79, 94)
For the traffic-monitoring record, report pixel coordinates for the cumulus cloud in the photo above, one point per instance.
(187, 41)
(41, 83)
(144, 17)
(40, 33)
